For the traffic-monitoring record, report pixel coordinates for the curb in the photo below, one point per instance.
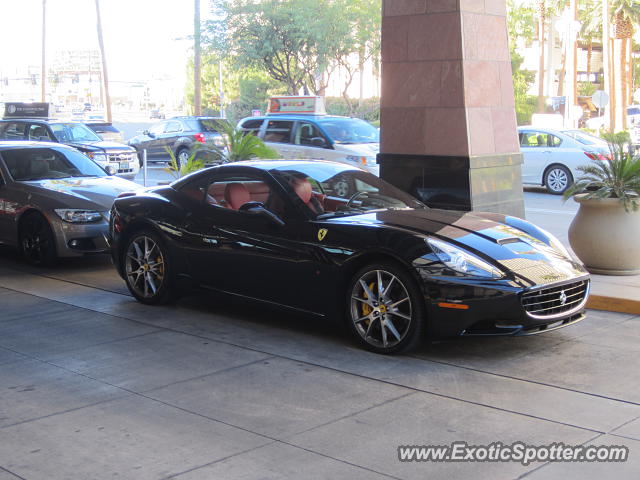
(613, 304)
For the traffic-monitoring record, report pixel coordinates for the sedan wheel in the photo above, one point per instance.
(36, 240)
(385, 311)
(557, 179)
(146, 269)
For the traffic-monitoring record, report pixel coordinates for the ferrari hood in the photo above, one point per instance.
(511, 242)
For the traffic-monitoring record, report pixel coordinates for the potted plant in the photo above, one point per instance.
(604, 233)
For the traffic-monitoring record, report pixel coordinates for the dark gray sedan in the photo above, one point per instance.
(54, 201)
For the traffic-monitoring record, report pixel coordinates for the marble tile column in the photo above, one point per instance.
(448, 125)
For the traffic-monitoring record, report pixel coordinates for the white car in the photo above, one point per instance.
(551, 157)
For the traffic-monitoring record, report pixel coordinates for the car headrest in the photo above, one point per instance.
(236, 195)
(303, 189)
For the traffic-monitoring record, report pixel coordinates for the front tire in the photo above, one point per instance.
(385, 309)
(557, 179)
(147, 268)
(36, 240)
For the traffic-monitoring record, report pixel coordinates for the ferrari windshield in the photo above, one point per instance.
(349, 130)
(331, 189)
(27, 164)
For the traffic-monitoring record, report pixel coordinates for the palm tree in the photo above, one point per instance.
(239, 145)
(542, 21)
(105, 76)
(591, 27)
(624, 15)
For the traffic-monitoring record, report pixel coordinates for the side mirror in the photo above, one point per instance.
(318, 142)
(111, 169)
(257, 208)
(149, 134)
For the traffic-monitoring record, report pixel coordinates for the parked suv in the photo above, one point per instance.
(318, 137)
(120, 157)
(180, 134)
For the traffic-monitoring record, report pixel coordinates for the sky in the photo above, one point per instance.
(143, 39)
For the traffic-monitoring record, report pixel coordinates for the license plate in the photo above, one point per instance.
(124, 165)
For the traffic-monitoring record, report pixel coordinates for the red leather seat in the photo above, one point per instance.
(236, 195)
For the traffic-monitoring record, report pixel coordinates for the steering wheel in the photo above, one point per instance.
(354, 196)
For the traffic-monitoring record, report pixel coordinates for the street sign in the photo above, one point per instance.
(600, 98)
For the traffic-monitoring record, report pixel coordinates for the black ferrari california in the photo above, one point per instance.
(393, 268)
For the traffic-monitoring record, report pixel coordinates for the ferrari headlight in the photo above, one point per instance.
(74, 215)
(462, 261)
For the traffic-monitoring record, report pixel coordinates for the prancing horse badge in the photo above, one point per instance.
(322, 233)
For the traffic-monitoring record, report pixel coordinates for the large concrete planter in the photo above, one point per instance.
(606, 237)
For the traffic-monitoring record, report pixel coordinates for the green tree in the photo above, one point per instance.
(520, 26)
(294, 41)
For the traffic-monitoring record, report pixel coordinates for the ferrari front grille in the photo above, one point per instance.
(556, 300)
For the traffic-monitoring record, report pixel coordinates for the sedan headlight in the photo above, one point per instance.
(74, 215)
(97, 157)
(462, 261)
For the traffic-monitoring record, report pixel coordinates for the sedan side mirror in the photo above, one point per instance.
(318, 142)
(257, 208)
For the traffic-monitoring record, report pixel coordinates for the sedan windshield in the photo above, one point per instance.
(332, 190)
(74, 133)
(29, 164)
(350, 130)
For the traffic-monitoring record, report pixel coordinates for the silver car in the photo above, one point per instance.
(551, 157)
(54, 201)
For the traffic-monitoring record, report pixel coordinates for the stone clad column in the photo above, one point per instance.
(448, 125)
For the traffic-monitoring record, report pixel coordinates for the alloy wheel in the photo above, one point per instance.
(557, 180)
(36, 240)
(380, 309)
(145, 267)
(183, 157)
(341, 188)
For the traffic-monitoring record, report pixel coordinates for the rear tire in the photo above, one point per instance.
(147, 268)
(182, 156)
(36, 240)
(385, 308)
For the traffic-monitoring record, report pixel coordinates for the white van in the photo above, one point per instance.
(299, 128)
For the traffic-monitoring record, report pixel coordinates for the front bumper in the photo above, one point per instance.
(461, 306)
(78, 239)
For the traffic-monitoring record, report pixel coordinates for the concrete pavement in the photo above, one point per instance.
(94, 385)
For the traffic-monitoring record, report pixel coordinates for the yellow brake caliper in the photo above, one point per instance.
(366, 309)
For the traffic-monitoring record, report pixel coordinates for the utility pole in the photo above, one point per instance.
(105, 77)
(43, 73)
(197, 96)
